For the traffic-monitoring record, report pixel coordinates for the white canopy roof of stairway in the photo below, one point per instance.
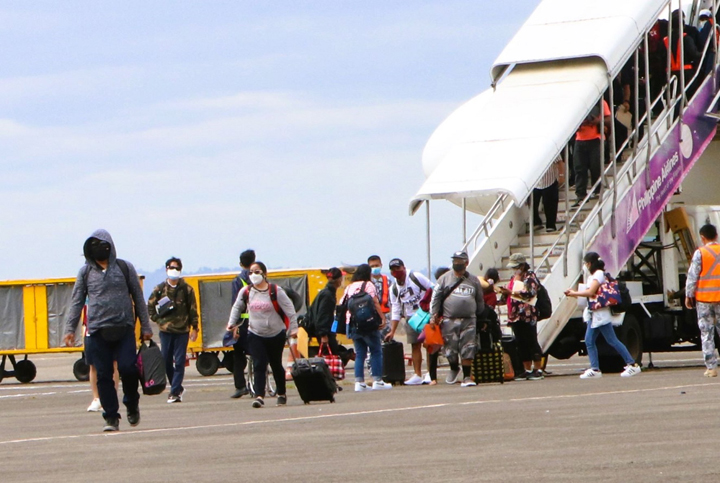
(503, 140)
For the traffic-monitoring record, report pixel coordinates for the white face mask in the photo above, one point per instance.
(173, 274)
(256, 278)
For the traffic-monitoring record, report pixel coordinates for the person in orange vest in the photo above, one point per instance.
(690, 51)
(702, 291)
(381, 285)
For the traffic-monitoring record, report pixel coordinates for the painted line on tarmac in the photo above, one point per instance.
(32, 394)
(340, 415)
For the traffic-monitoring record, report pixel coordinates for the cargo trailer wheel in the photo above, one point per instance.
(207, 363)
(25, 371)
(81, 370)
(629, 334)
(228, 361)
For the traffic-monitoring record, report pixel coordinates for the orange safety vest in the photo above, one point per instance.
(385, 295)
(675, 59)
(708, 286)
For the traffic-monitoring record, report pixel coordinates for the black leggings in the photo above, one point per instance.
(527, 343)
(264, 351)
(432, 365)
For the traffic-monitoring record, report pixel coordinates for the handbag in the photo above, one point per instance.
(333, 362)
(418, 320)
(433, 338)
(608, 294)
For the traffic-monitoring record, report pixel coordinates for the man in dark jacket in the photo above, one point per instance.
(173, 307)
(111, 287)
(322, 315)
(247, 258)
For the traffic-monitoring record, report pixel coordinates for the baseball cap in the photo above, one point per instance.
(396, 263)
(461, 255)
(516, 259)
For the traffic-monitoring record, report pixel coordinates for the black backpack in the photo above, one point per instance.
(626, 299)
(362, 312)
(543, 303)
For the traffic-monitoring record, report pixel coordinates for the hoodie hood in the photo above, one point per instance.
(101, 235)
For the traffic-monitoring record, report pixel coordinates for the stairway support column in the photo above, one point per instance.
(427, 233)
(464, 211)
(613, 157)
(567, 210)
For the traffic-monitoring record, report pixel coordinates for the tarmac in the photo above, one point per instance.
(661, 425)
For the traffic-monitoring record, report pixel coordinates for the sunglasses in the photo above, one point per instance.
(174, 268)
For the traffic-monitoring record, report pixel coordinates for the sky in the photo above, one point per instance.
(198, 129)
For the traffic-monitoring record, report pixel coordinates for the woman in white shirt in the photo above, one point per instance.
(599, 321)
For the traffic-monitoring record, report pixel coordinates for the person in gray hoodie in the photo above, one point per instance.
(111, 287)
(457, 298)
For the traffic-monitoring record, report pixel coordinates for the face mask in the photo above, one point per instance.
(702, 24)
(256, 278)
(376, 270)
(173, 274)
(398, 274)
(100, 252)
(458, 267)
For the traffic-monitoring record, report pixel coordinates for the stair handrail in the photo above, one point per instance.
(486, 223)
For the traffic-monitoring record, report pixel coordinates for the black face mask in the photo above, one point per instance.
(100, 252)
(458, 267)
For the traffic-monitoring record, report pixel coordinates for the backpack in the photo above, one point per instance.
(415, 281)
(608, 294)
(543, 303)
(625, 299)
(273, 299)
(362, 312)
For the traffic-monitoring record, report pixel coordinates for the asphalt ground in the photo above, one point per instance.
(661, 425)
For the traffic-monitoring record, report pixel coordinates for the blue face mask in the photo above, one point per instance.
(376, 270)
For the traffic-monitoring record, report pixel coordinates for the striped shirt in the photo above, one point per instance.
(550, 176)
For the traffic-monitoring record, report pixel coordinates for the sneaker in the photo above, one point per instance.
(591, 374)
(258, 403)
(381, 386)
(361, 387)
(240, 393)
(708, 373)
(535, 375)
(111, 424)
(134, 417)
(415, 380)
(172, 398)
(468, 382)
(281, 400)
(550, 229)
(631, 370)
(523, 376)
(452, 377)
(426, 378)
(95, 406)
(577, 203)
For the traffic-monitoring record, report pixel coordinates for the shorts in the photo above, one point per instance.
(412, 335)
(460, 338)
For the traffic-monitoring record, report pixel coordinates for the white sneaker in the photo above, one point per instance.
(452, 377)
(381, 385)
(361, 387)
(631, 370)
(95, 406)
(415, 380)
(591, 374)
(426, 378)
(468, 382)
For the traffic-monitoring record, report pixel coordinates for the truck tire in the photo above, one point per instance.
(207, 363)
(629, 334)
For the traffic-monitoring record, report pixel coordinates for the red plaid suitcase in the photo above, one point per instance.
(333, 362)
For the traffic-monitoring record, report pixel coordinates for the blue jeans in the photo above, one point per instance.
(103, 353)
(609, 333)
(174, 349)
(364, 343)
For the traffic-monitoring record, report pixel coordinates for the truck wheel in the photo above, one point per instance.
(228, 361)
(81, 370)
(25, 371)
(207, 363)
(629, 334)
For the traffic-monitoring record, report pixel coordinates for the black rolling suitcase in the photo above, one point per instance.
(313, 380)
(488, 363)
(509, 345)
(393, 362)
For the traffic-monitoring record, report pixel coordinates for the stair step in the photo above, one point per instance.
(539, 250)
(542, 238)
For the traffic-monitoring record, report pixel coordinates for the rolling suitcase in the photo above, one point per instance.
(393, 362)
(509, 345)
(313, 380)
(488, 363)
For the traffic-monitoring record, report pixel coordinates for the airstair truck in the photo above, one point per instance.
(489, 155)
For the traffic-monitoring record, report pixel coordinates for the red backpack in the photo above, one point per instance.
(273, 299)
